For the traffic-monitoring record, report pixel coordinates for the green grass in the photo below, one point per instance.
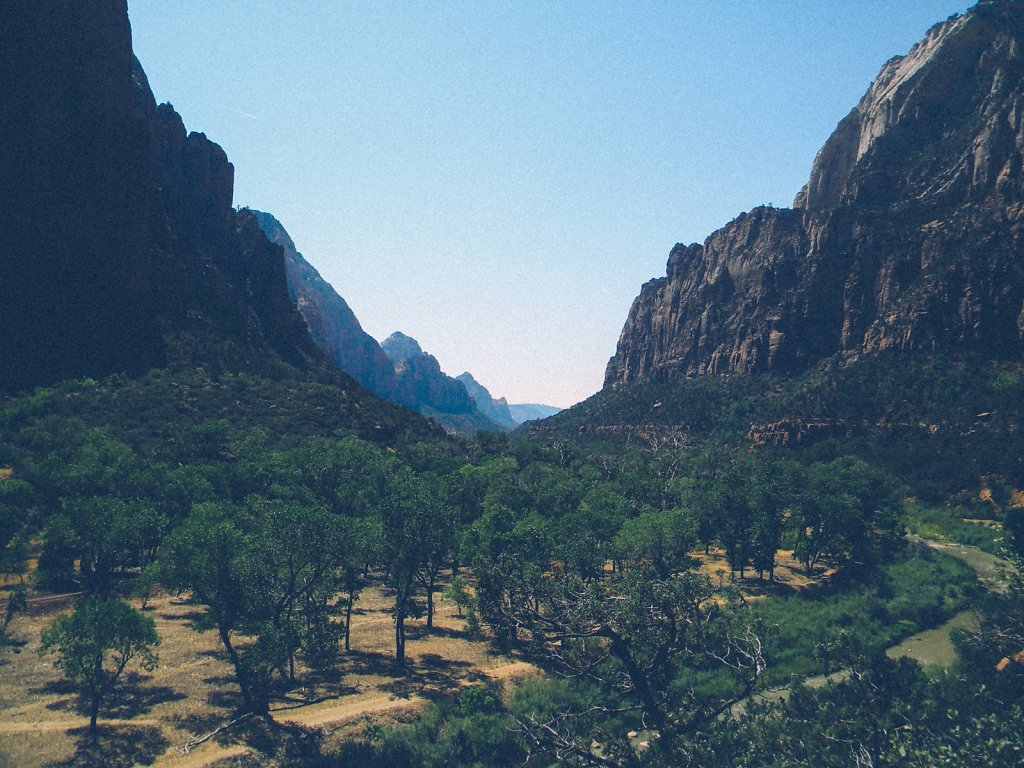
(920, 591)
(932, 522)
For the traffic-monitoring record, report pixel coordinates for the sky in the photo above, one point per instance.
(498, 178)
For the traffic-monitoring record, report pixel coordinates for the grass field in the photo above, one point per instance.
(153, 716)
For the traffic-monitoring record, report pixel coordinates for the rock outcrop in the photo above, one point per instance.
(331, 322)
(119, 248)
(422, 386)
(908, 237)
(495, 410)
(505, 414)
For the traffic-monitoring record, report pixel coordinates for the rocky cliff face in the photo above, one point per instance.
(421, 382)
(908, 237)
(422, 386)
(495, 410)
(120, 247)
(330, 320)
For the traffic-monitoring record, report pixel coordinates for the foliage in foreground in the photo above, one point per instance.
(95, 643)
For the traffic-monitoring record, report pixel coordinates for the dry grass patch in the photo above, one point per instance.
(192, 692)
(790, 576)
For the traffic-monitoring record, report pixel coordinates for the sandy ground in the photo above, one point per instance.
(153, 716)
(790, 575)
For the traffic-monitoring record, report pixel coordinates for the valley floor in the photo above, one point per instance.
(154, 715)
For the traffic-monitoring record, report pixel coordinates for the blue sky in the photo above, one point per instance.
(498, 179)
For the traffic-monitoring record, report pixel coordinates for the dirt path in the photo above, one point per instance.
(990, 569)
(348, 708)
(204, 755)
(934, 647)
(345, 710)
(192, 692)
(68, 724)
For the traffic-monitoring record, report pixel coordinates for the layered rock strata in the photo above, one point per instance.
(908, 237)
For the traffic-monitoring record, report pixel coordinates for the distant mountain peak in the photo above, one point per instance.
(495, 410)
(332, 324)
(399, 347)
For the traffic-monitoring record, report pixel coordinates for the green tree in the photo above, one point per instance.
(15, 516)
(659, 540)
(207, 555)
(409, 511)
(436, 519)
(95, 643)
(105, 535)
(645, 642)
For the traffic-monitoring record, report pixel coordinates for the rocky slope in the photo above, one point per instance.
(422, 386)
(330, 320)
(120, 248)
(505, 414)
(496, 410)
(908, 236)
(524, 412)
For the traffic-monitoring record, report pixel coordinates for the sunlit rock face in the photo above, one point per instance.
(421, 382)
(908, 237)
(120, 247)
(497, 410)
(331, 322)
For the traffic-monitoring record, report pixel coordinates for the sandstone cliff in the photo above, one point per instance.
(330, 320)
(422, 386)
(908, 237)
(120, 248)
(495, 410)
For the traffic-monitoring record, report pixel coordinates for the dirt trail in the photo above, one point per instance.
(192, 692)
(202, 756)
(345, 709)
(68, 724)
(354, 707)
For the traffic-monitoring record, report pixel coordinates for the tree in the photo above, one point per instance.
(437, 521)
(659, 540)
(296, 552)
(105, 535)
(458, 592)
(266, 570)
(639, 644)
(95, 643)
(207, 555)
(410, 511)
(14, 528)
(17, 600)
(845, 509)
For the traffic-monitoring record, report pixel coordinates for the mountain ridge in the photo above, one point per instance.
(904, 237)
(331, 322)
(120, 249)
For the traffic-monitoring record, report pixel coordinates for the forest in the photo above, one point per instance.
(270, 509)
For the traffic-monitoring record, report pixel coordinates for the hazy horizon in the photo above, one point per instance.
(498, 179)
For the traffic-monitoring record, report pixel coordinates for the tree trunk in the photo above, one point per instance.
(96, 692)
(236, 662)
(348, 623)
(94, 711)
(400, 639)
(430, 602)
